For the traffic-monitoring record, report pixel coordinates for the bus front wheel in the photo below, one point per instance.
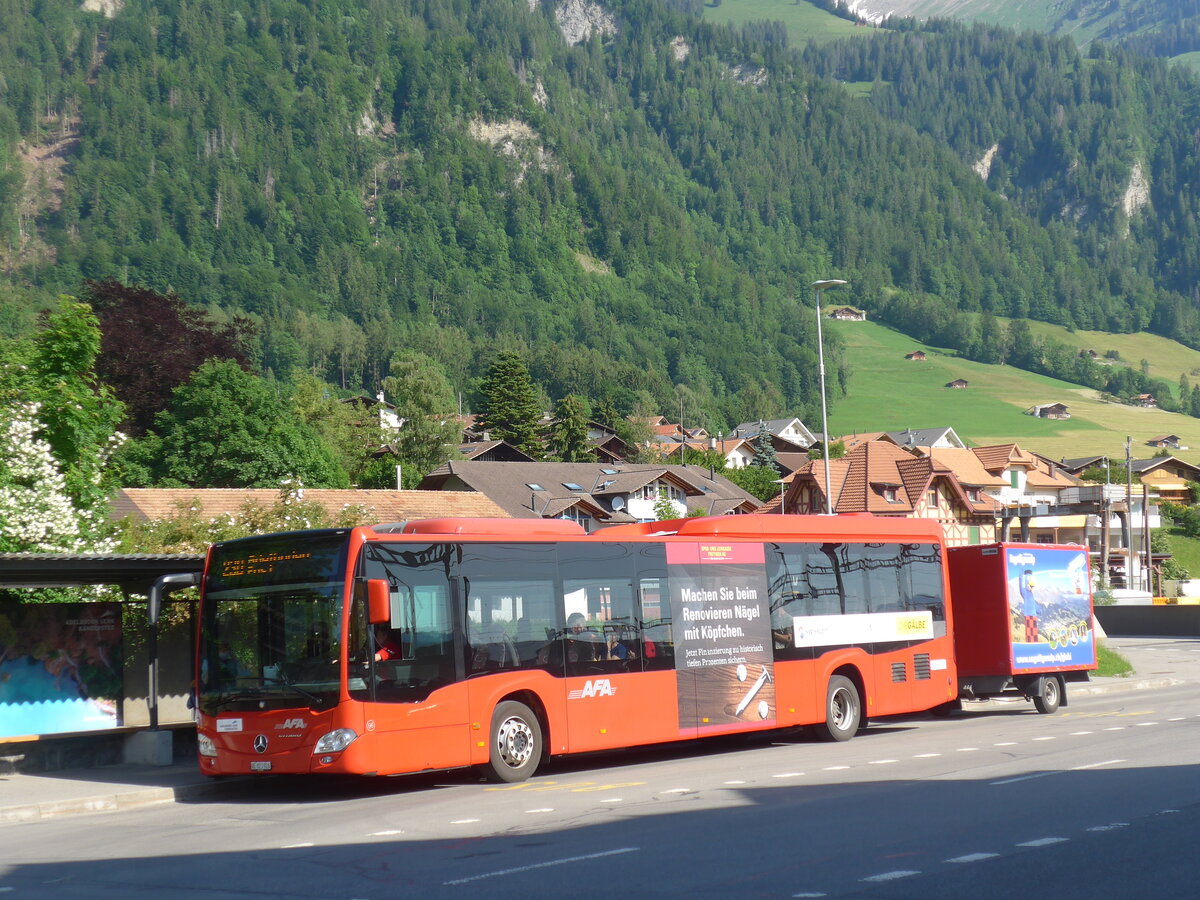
(843, 709)
(516, 742)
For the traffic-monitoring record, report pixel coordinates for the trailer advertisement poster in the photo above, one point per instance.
(60, 668)
(724, 664)
(1050, 606)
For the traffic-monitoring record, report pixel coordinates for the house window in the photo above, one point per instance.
(572, 486)
(889, 494)
(972, 534)
(534, 486)
(933, 498)
(973, 495)
(1014, 479)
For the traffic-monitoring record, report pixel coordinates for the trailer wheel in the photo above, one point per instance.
(1048, 695)
(516, 743)
(843, 709)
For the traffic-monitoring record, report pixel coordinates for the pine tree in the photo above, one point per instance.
(569, 433)
(510, 408)
(764, 449)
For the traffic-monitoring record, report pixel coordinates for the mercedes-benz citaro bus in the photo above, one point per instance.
(499, 642)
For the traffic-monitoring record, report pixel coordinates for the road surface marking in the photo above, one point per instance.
(676, 791)
(1107, 762)
(1044, 738)
(296, 846)
(890, 876)
(1076, 733)
(385, 833)
(1144, 724)
(613, 800)
(831, 769)
(1176, 718)
(1113, 827)
(544, 809)
(463, 821)
(965, 749)
(1043, 842)
(735, 782)
(1024, 778)
(542, 865)
(1005, 744)
(881, 762)
(926, 755)
(972, 857)
(805, 894)
(1116, 728)
(788, 775)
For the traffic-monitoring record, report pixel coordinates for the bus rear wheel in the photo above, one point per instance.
(843, 709)
(516, 743)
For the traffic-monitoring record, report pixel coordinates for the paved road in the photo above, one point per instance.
(1101, 800)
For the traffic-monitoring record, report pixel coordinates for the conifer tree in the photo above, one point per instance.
(510, 409)
(764, 449)
(569, 433)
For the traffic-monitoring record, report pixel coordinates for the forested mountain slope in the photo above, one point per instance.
(635, 198)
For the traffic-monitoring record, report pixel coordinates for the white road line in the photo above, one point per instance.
(613, 800)
(1116, 728)
(542, 865)
(1023, 778)
(1144, 724)
(295, 846)
(1043, 842)
(1167, 811)
(966, 749)
(926, 755)
(735, 782)
(788, 775)
(829, 769)
(544, 809)
(881, 762)
(1075, 733)
(1044, 738)
(1176, 718)
(972, 857)
(810, 894)
(890, 876)
(1096, 765)
(677, 791)
(385, 833)
(1113, 827)
(1005, 744)
(463, 821)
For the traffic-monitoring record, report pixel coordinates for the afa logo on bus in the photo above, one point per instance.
(599, 687)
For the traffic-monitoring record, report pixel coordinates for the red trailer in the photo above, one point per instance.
(1022, 618)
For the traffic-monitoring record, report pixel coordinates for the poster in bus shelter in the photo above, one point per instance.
(1050, 608)
(60, 667)
(723, 660)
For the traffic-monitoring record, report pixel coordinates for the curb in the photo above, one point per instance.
(110, 802)
(1121, 686)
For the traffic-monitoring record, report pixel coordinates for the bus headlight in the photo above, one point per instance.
(205, 745)
(335, 741)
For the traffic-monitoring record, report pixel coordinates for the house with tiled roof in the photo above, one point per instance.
(1167, 476)
(1049, 411)
(592, 494)
(365, 507)
(792, 432)
(1166, 442)
(883, 479)
(909, 437)
(915, 356)
(738, 452)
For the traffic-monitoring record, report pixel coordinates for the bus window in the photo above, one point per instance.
(413, 653)
(511, 618)
(921, 582)
(658, 642)
(601, 630)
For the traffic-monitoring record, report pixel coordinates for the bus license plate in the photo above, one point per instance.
(260, 765)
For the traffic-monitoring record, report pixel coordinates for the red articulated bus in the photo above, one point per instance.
(499, 642)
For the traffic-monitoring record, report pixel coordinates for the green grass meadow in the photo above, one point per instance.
(804, 21)
(886, 392)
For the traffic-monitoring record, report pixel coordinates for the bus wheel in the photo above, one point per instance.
(516, 747)
(843, 709)
(1048, 695)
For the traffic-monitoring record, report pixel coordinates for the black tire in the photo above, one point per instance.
(516, 743)
(843, 709)
(1048, 695)
(946, 710)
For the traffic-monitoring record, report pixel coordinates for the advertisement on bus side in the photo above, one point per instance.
(1050, 608)
(723, 659)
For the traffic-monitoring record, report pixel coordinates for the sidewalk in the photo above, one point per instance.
(1157, 662)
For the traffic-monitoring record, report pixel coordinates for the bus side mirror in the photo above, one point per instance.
(379, 602)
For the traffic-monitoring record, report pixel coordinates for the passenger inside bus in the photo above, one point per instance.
(387, 644)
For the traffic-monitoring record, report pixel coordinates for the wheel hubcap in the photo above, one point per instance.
(514, 740)
(841, 709)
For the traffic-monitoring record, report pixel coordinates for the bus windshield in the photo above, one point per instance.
(271, 622)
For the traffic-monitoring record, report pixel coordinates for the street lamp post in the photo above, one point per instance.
(819, 286)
